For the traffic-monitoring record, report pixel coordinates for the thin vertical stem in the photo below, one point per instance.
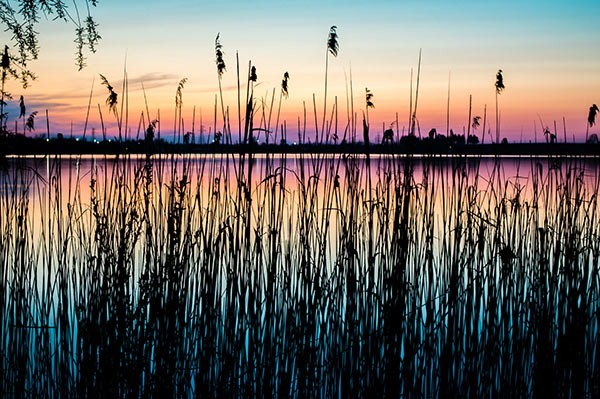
(469, 120)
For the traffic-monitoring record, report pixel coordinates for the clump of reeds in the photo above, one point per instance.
(304, 276)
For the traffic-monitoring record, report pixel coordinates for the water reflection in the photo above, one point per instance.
(300, 275)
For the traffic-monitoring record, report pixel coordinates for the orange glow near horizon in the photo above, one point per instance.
(549, 71)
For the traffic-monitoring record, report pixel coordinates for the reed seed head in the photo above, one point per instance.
(219, 54)
(284, 84)
(332, 41)
(179, 93)
(111, 100)
(592, 115)
(369, 98)
(499, 82)
(30, 124)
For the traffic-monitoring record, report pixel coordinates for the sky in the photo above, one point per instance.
(548, 52)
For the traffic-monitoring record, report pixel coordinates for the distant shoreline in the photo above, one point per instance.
(38, 146)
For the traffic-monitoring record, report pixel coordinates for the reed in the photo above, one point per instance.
(591, 120)
(303, 276)
(499, 85)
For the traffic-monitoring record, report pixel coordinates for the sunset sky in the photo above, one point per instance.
(549, 52)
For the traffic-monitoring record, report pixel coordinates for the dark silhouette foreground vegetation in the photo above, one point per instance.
(307, 276)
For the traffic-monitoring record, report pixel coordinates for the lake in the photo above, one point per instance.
(300, 275)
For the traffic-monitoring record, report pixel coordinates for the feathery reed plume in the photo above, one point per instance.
(30, 124)
(284, 84)
(499, 85)
(178, 106)
(592, 115)
(368, 102)
(111, 100)
(475, 123)
(499, 82)
(219, 54)
(284, 93)
(248, 128)
(591, 120)
(333, 48)
(368, 99)
(332, 41)
(220, 69)
(179, 92)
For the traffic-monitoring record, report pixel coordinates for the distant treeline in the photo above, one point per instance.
(23, 145)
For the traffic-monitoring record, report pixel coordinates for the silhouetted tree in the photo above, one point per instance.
(432, 134)
(217, 139)
(547, 134)
(388, 136)
(21, 24)
(472, 139)
(149, 136)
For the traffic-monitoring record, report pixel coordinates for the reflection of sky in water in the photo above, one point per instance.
(482, 242)
(438, 182)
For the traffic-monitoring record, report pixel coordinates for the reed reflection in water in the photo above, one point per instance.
(301, 276)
